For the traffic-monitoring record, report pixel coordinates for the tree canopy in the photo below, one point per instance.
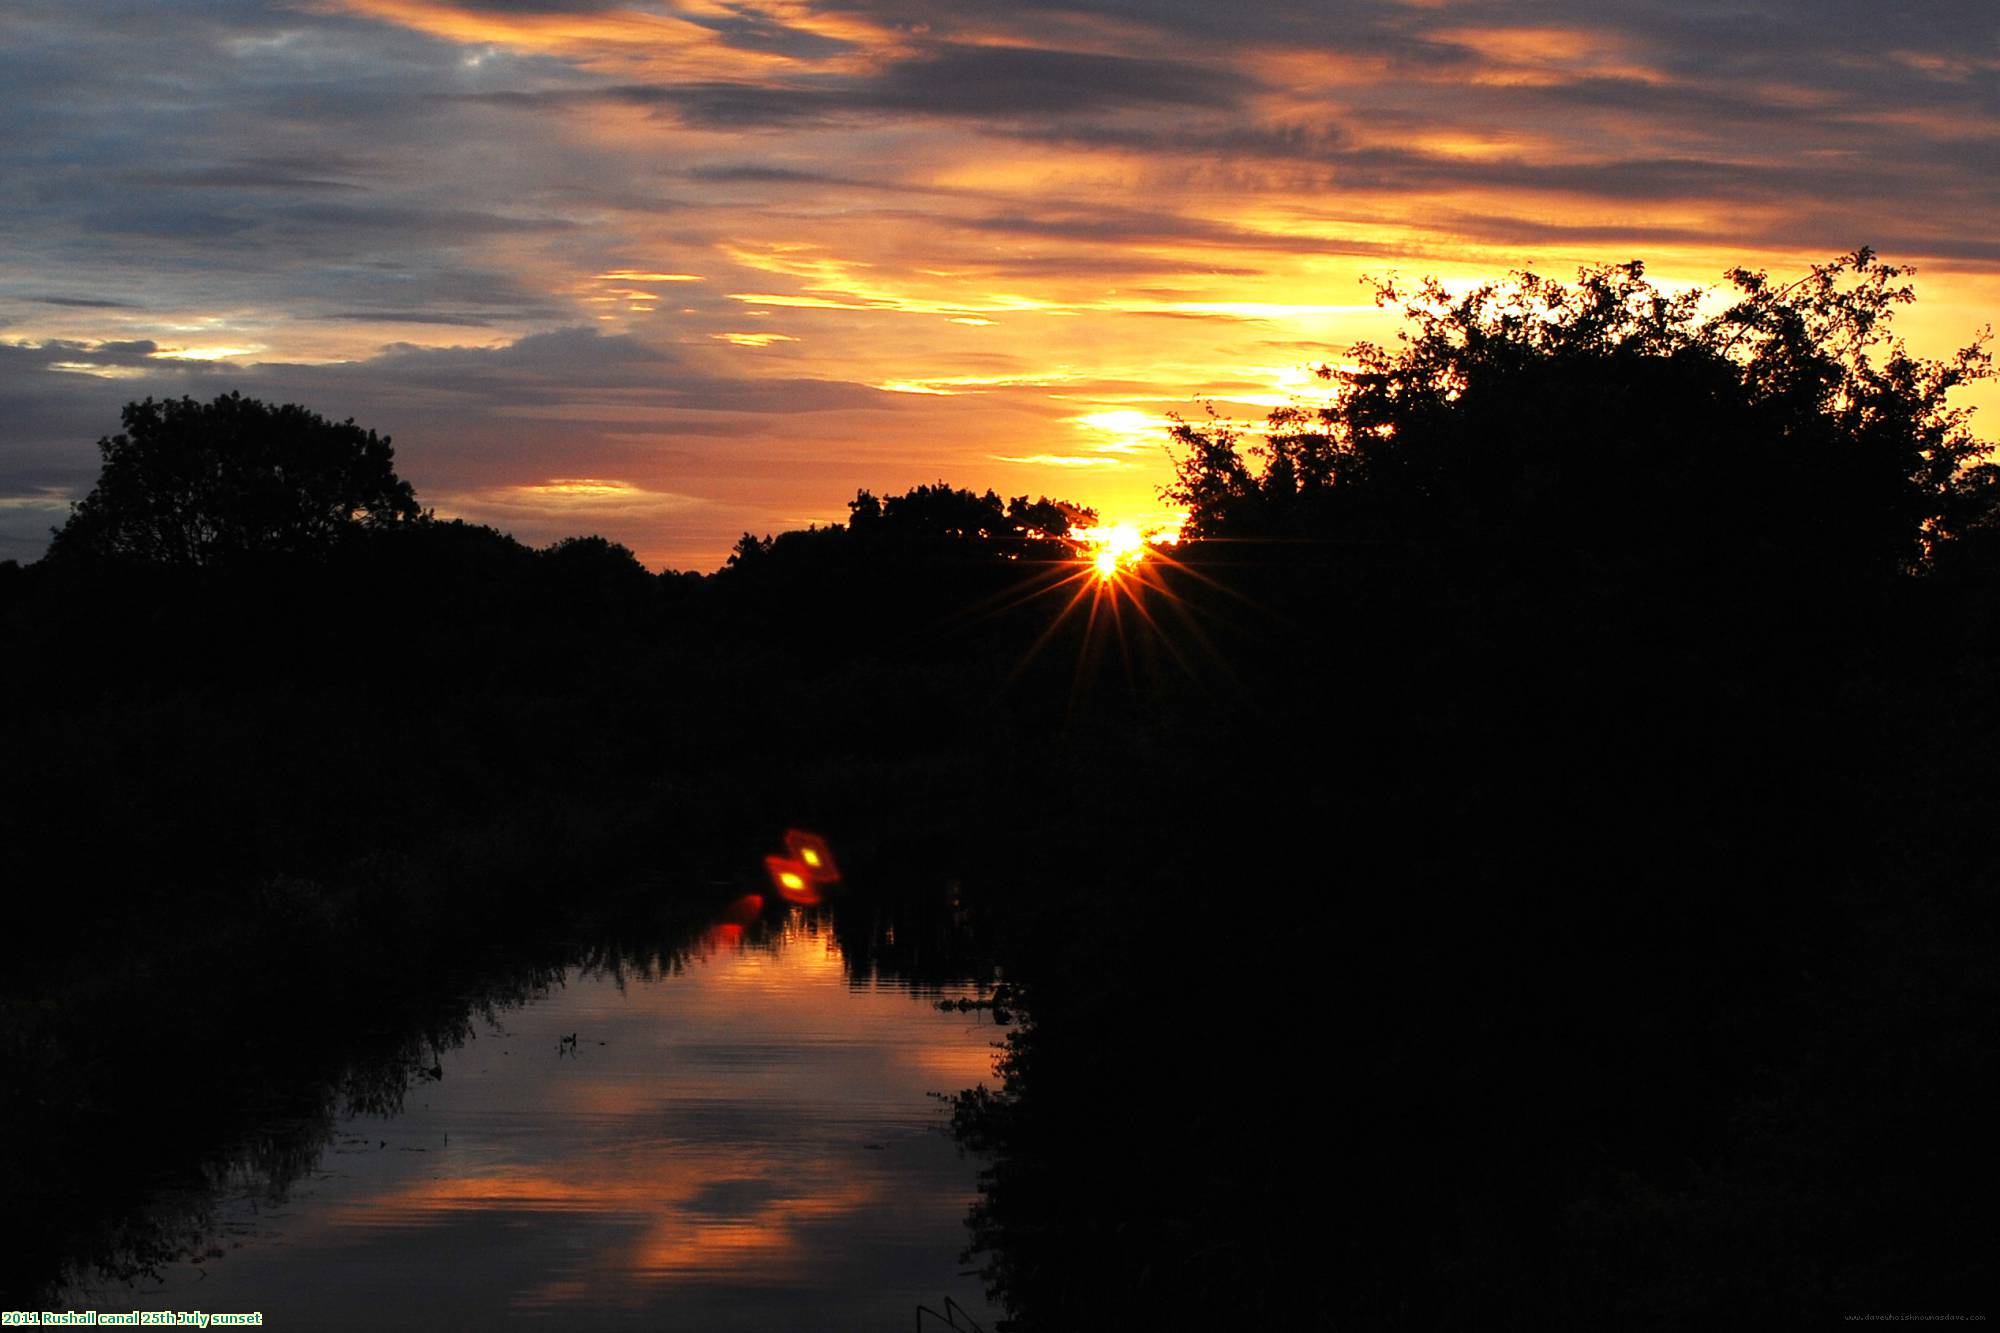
(1615, 421)
(938, 520)
(943, 511)
(195, 484)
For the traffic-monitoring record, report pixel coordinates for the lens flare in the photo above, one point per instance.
(811, 851)
(792, 879)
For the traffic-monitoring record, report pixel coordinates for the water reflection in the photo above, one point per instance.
(736, 1130)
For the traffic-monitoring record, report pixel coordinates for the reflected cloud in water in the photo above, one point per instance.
(744, 1133)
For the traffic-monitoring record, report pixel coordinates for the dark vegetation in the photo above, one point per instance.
(1528, 862)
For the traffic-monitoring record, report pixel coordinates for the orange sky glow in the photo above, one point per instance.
(673, 272)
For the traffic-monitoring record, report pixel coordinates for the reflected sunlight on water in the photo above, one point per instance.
(749, 1143)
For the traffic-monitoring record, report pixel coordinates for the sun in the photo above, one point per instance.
(1111, 550)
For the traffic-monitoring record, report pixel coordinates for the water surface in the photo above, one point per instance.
(749, 1137)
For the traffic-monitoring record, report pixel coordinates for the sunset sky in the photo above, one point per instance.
(675, 271)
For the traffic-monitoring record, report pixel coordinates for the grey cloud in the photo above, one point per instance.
(244, 155)
(165, 221)
(543, 6)
(54, 418)
(1136, 227)
(1708, 30)
(748, 30)
(990, 80)
(396, 285)
(408, 220)
(1956, 176)
(544, 369)
(1378, 28)
(82, 302)
(403, 317)
(136, 347)
(128, 352)
(1720, 55)
(241, 177)
(538, 369)
(950, 81)
(1270, 140)
(757, 173)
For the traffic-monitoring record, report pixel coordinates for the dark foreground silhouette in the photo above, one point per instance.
(1527, 862)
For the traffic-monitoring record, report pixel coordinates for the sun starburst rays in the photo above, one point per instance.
(1102, 593)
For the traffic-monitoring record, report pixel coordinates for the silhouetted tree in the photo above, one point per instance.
(943, 513)
(1614, 421)
(195, 484)
(1046, 518)
(748, 550)
(594, 560)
